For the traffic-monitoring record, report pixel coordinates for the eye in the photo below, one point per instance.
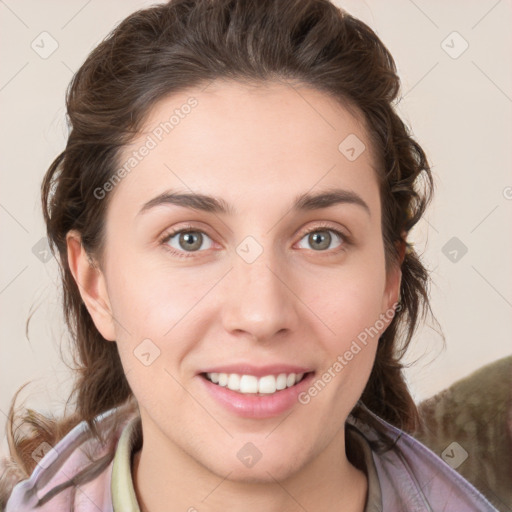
(187, 240)
(320, 238)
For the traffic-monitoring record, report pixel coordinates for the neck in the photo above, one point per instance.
(174, 480)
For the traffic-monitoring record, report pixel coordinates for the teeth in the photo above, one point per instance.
(223, 379)
(249, 384)
(234, 381)
(267, 384)
(281, 381)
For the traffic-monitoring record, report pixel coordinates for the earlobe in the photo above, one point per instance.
(394, 280)
(393, 288)
(91, 285)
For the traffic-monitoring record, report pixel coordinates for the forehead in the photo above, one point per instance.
(245, 142)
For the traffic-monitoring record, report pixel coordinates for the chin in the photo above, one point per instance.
(262, 471)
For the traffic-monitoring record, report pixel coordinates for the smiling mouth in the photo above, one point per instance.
(252, 385)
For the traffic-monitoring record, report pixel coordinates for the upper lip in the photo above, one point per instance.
(257, 371)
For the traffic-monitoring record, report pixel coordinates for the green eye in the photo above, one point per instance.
(186, 241)
(320, 239)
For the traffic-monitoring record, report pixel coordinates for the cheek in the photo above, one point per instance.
(154, 316)
(351, 311)
(160, 316)
(348, 302)
(152, 298)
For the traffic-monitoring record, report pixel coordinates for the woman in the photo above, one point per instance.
(231, 214)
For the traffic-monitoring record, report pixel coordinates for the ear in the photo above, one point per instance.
(394, 279)
(91, 284)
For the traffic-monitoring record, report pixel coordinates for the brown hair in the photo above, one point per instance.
(168, 48)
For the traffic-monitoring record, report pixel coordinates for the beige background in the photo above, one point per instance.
(459, 109)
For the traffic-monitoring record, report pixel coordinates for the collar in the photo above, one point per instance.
(124, 498)
(364, 461)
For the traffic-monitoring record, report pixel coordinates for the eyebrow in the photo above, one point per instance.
(212, 204)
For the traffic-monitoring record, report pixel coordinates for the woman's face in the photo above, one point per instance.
(282, 272)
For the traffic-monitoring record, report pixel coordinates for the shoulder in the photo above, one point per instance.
(413, 478)
(74, 474)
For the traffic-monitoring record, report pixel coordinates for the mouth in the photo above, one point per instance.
(256, 392)
(246, 384)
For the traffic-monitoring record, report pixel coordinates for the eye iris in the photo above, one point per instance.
(322, 237)
(187, 240)
(192, 240)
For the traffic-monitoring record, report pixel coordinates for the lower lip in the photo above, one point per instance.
(253, 406)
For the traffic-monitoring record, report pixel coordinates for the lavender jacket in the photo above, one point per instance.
(407, 478)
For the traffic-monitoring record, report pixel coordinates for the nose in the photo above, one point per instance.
(259, 300)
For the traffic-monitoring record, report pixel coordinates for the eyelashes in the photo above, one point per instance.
(179, 252)
(326, 229)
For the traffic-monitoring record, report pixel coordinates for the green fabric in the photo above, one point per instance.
(124, 498)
